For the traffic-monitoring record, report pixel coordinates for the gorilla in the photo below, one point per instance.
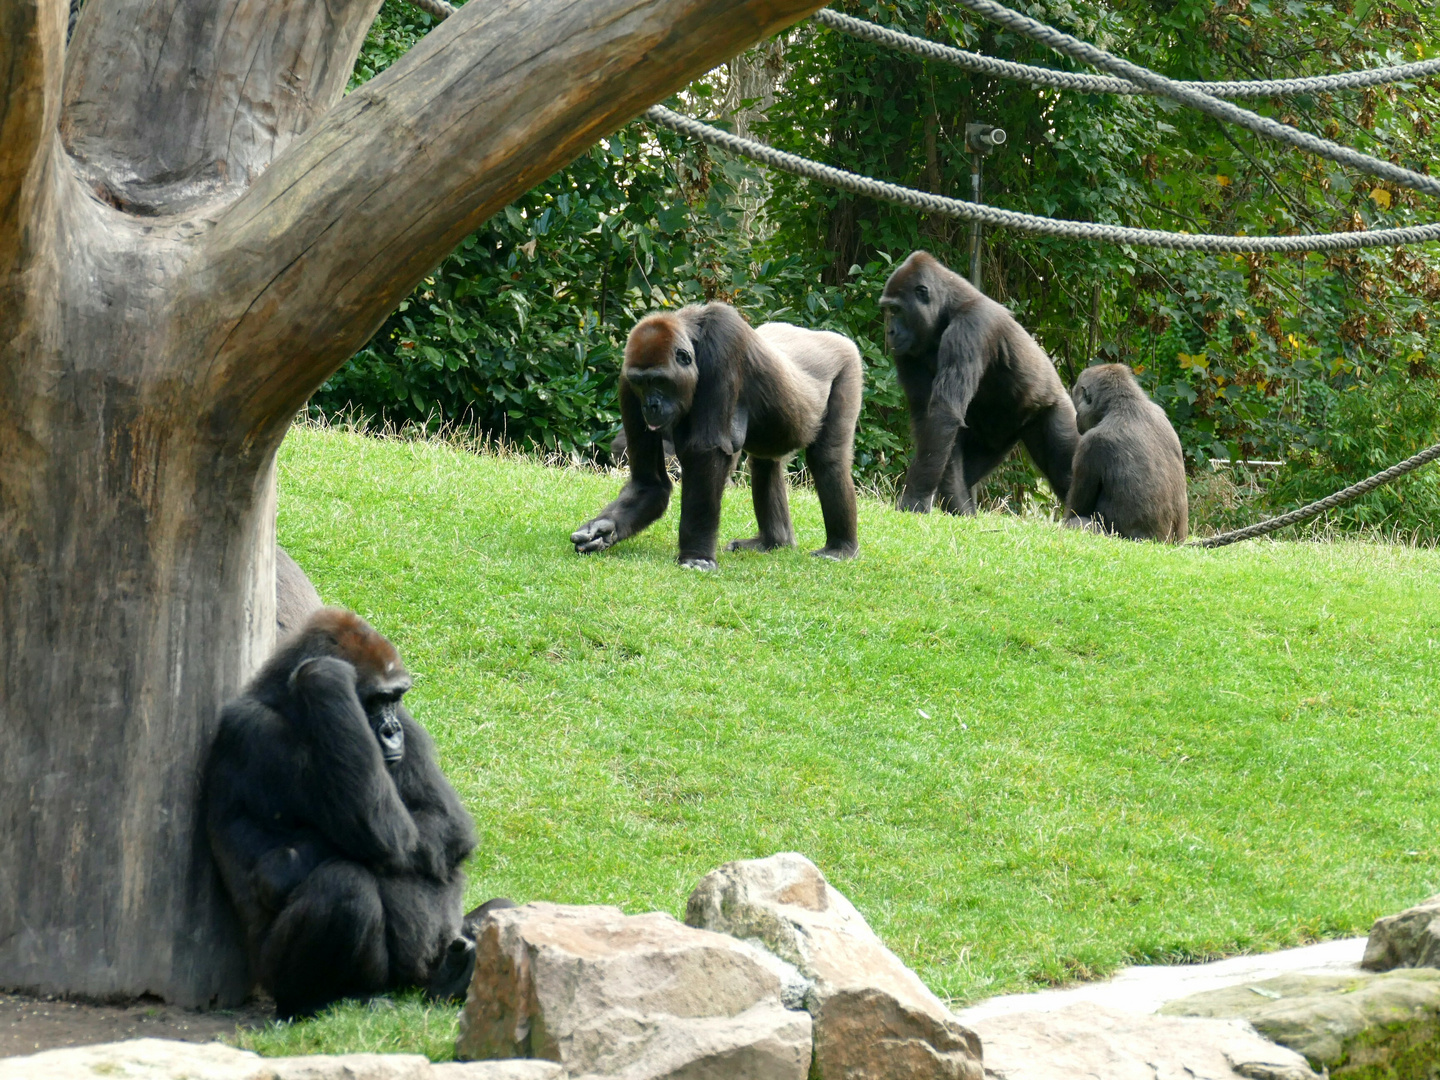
(976, 384)
(1129, 472)
(704, 379)
(337, 836)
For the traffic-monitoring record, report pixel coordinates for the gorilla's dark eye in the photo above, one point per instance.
(922, 294)
(683, 358)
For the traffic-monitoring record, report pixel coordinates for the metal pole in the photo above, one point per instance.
(975, 227)
(981, 139)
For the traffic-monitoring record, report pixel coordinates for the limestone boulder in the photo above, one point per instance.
(1087, 1041)
(874, 1018)
(136, 1059)
(607, 994)
(519, 1069)
(167, 1059)
(1358, 1026)
(1409, 939)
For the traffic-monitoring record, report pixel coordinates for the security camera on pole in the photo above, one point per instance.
(981, 139)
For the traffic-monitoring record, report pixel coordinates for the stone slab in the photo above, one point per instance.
(1086, 1041)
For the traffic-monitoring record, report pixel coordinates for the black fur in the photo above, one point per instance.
(1129, 473)
(976, 384)
(702, 378)
(345, 870)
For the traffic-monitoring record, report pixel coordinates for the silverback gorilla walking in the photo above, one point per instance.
(1129, 475)
(337, 836)
(702, 377)
(976, 384)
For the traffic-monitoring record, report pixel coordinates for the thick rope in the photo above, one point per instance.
(1031, 223)
(1315, 509)
(1103, 84)
(1211, 106)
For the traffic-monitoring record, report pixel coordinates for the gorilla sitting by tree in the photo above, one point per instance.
(976, 384)
(702, 378)
(1129, 473)
(337, 836)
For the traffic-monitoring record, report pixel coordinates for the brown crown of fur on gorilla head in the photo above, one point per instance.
(355, 640)
(653, 340)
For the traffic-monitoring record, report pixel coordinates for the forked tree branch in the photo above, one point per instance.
(32, 56)
(170, 104)
(304, 267)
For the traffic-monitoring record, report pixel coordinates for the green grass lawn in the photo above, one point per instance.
(1028, 755)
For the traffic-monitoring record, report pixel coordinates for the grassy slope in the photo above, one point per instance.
(1026, 754)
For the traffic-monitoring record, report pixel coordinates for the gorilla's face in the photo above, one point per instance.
(382, 706)
(912, 308)
(660, 370)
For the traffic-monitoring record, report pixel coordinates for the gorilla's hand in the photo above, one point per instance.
(694, 563)
(323, 676)
(597, 534)
(918, 504)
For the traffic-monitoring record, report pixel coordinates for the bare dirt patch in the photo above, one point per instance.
(29, 1024)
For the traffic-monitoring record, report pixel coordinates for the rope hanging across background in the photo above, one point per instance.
(1032, 223)
(1105, 84)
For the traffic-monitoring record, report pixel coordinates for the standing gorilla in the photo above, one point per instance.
(338, 838)
(1129, 470)
(703, 378)
(976, 384)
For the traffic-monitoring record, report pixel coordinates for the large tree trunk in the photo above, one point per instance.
(195, 231)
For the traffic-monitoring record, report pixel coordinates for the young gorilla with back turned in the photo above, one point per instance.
(703, 378)
(1129, 474)
(337, 836)
(976, 384)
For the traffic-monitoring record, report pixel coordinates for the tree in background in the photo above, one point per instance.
(1321, 361)
(195, 231)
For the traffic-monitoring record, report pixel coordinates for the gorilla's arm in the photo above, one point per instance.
(702, 488)
(1084, 484)
(352, 799)
(645, 495)
(446, 833)
(959, 364)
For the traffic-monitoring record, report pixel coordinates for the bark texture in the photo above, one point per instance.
(196, 229)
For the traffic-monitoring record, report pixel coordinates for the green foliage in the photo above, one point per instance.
(1028, 755)
(520, 331)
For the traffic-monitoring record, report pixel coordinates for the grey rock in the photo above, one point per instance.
(514, 1069)
(874, 1018)
(1364, 1025)
(166, 1059)
(136, 1059)
(639, 997)
(345, 1067)
(296, 598)
(1409, 939)
(1086, 1041)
